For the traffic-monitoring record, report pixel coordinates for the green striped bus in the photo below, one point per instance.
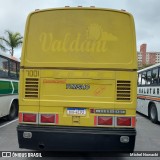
(9, 75)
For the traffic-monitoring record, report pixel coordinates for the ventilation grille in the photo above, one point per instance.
(123, 90)
(31, 88)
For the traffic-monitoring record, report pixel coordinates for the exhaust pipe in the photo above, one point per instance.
(41, 146)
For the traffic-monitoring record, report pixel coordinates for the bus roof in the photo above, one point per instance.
(150, 67)
(80, 8)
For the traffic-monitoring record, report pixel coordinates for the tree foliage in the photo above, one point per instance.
(11, 41)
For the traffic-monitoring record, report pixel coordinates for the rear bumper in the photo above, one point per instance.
(60, 138)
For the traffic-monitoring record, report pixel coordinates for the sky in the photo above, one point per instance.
(13, 14)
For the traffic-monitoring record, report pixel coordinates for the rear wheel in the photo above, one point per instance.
(153, 113)
(13, 111)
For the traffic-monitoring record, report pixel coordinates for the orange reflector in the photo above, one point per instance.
(20, 117)
(29, 117)
(133, 122)
(104, 120)
(95, 120)
(124, 121)
(47, 118)
(57, 119)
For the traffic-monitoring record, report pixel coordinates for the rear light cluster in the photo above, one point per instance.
(38, 118)
(114, 121)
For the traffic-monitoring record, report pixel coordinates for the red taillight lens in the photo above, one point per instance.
(47, 118)
(124, 121)
(29, 117)
(102, 120)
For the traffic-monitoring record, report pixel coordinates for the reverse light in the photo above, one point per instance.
(29, 117)
(104, 120)
(123, 121)
(47, 118)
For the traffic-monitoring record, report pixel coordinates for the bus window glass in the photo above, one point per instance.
(155, 76)
(144, 78)
(149, 77)
(3, 67)
(18, 69)
(13, 69)
(139, 79)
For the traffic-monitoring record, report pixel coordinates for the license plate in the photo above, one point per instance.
(76, 111)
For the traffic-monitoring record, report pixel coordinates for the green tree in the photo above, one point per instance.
(11, 41)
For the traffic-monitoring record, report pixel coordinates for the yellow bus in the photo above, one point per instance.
(78, 81)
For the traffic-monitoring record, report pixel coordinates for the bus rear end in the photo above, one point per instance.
(78, 81)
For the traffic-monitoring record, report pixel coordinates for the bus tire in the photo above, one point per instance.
(13, 111)
(153, 113)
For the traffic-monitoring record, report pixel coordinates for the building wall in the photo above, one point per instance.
(147, 58)
(143, 48)
(152, 58)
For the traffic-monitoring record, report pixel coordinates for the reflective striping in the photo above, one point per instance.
(8, 123)
(149, 98)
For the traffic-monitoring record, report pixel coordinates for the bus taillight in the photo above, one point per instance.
(47, 118)
(104, 120)
(123, 121)
(29, 117)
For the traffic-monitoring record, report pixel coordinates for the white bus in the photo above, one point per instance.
(9, 75)
(148, 98)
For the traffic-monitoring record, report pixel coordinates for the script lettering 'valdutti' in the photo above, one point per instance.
(96, 41)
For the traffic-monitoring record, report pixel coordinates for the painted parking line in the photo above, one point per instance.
(139, 117)
(8, 123)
